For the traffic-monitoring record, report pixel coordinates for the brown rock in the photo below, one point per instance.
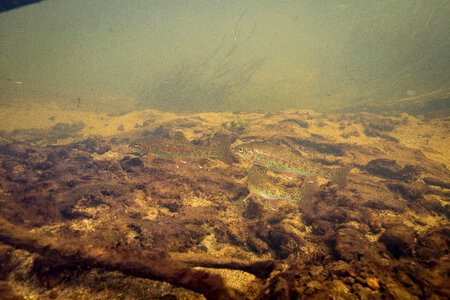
(257, 245)
(397, 292)
(350, 244)
(388, 168)
(172, 204)
(253, 210)
(7, 293)
(397, 205)
(383, 167)
(399, 240)
(407, 191)
(282, 241)
(312, 286)
(432, 204)
(20, 150)
(434, 244)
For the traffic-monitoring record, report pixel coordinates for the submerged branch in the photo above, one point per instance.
(154, 265)
(260, 269)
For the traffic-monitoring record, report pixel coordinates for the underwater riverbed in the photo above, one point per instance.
(85, 215)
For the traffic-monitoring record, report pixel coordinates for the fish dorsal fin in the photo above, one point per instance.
(179, 137)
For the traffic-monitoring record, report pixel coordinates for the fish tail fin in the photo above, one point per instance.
(339, 175)
(222, 150)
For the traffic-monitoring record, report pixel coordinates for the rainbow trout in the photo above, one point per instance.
(260, 183)
(280, 159)
(180, 149)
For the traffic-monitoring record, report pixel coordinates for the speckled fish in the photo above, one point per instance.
(280, 159)
(260, 183)
(180, 149)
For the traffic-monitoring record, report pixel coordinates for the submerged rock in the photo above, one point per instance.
(399, 240)
(350, 244)
(389, 168)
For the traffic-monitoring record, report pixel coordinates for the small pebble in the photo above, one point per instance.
(349, 280)
(372, 282)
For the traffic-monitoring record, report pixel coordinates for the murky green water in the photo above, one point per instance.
(228, 55)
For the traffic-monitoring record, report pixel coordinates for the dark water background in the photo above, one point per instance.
(228, 55)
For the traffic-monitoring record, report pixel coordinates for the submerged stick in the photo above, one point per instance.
(261, 268)
(145, 264)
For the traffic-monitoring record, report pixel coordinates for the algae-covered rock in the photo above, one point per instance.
(236, 125)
